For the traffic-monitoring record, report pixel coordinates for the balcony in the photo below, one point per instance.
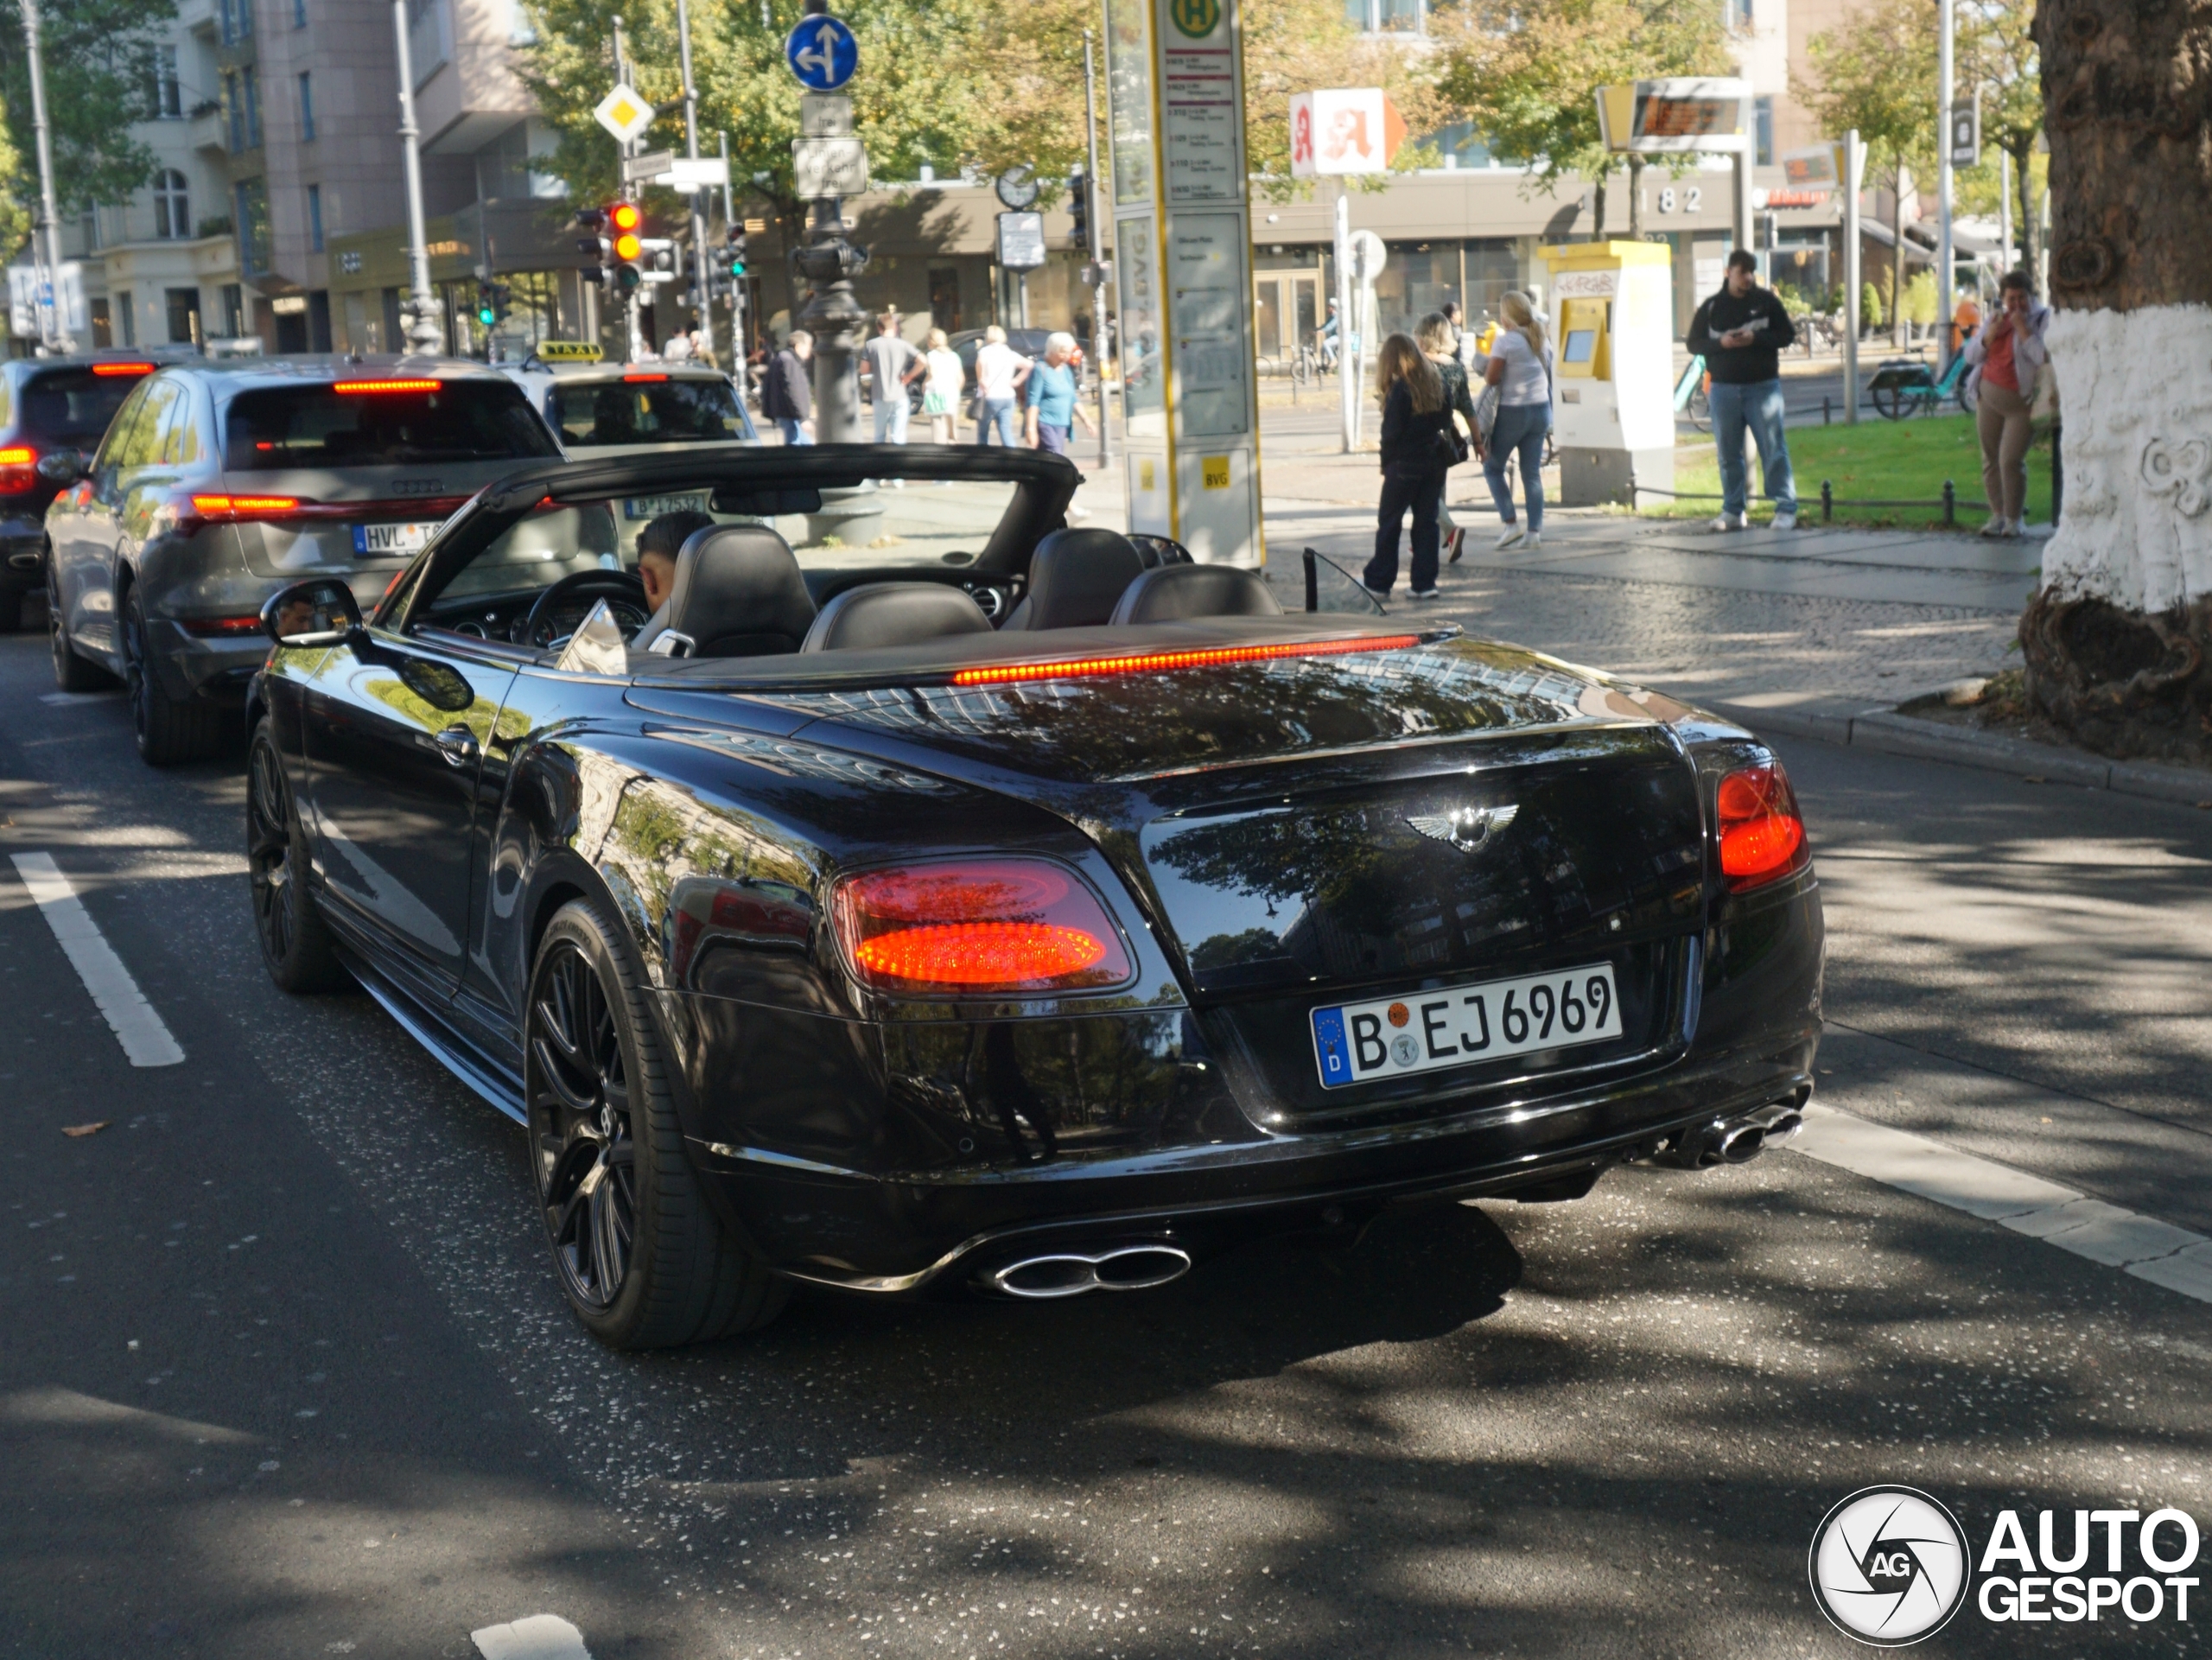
(208, 129)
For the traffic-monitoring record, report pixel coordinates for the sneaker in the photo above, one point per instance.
(1424, 595)
(1454, 545)
(1785, 521)
(1377, 594)
(1534, 539)
(1730, 521)
(1994, 527)
(1511, 537)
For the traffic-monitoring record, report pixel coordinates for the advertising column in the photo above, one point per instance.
(1183, 239)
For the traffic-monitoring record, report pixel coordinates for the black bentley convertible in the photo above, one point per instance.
(925, 894)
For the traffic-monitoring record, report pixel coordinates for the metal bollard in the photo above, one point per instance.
(1950, 505)
(1313, 582)
(1828, 501)
(1824, 409)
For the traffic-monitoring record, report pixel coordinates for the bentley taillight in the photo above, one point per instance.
(1762, 833)
(969, 926)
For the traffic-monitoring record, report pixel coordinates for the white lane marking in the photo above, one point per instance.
(2141, 1245)
(540, 1636)
(53, 698)
(145, 1041)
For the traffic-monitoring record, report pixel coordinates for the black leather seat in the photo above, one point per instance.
(1174, 593)
(894, 613)
(737, 593)
(1075, 579)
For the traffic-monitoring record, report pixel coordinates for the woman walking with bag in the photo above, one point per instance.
(1439, 344)
(941, 391)
(1417, 449)
(1521, 369)
(2009, 360)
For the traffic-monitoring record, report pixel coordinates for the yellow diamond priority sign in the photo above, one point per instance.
(623, 113)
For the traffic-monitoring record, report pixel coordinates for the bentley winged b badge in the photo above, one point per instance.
(1468, 829)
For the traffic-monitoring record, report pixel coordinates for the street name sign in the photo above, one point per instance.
(637, 169)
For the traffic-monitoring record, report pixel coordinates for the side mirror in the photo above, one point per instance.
(64, 467)
(320, 611)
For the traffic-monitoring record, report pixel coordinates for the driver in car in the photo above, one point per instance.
(658, 546)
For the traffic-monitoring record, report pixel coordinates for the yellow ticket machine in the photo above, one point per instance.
(1612, 330)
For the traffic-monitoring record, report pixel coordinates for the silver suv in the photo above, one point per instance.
(220, 482)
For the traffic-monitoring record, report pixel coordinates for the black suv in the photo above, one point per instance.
(221, 481)
(48, 406)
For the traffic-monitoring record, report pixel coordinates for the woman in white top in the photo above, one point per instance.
(1521, 368)
(941, 391)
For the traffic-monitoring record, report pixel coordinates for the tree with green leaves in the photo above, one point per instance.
(1877, 74)
(95, 55)
(1996, 52)
(1528, 77)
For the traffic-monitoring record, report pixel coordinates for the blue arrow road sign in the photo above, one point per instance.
(823, 54)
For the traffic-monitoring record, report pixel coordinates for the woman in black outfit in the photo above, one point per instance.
(1416, 452)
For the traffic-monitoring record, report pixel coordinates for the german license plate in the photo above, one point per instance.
(1427, 1030)
(391, 538)
(654, 506)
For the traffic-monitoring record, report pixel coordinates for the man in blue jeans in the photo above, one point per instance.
(1740, 333)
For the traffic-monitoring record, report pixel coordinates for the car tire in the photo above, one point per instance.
(168, 732)
(295, 943)
(71, 671)
(642, 1256)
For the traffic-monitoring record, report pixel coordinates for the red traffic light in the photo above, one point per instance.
(623, 217)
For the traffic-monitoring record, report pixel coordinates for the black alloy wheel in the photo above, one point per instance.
(71, 671)
(580, 1108)
(643, 1258)
(168, 732)
(295, 944)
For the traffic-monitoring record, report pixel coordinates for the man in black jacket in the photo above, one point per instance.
(786, 397)
(1739, 332)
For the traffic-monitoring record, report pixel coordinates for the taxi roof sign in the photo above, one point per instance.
(569, 351)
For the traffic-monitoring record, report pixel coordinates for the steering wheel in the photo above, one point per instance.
(579, 585)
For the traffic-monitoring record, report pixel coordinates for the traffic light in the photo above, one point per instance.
(596, 245)
(487, 312)
(1079, 208)
(733, 254)
(624, 219)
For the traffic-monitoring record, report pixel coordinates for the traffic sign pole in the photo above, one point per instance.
(1945, 35)
(1094, 205)
(823, 56)
(700, 308)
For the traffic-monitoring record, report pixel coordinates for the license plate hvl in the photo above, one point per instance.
(391, 538)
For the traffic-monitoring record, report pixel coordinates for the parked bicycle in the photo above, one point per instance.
(1903, 386)
(1693, 395)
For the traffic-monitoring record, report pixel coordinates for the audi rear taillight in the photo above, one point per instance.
(976, 926)
(1762, 833)
(18, 470)
(232, 507)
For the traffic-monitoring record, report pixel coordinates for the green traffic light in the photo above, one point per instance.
(486, 315)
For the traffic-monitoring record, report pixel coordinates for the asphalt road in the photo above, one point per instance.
(286, 1372)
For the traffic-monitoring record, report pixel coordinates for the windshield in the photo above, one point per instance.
(648, 409)
(73, 406)
(319, 426)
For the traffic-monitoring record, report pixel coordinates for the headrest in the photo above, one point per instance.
(894, 613)
(1074, 577)
(738, 593)
(1175, 592)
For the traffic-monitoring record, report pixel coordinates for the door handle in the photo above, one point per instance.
(457, 744)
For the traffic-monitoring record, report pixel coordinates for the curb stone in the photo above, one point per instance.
(1888, 732)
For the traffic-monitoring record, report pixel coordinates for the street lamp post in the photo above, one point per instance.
(52, 321)
(1944, 41)
(700, 307)
(423, 333)
(1092, 208)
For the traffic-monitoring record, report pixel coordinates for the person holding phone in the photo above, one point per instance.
(1740, 332)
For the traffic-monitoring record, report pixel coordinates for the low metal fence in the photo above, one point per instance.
(1829, 502)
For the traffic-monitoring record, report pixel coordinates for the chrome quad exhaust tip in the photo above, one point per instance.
(1737, 1139)
(1074, 1273)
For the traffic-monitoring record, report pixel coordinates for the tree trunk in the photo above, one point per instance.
(1896, 254)
(2031, 220)
(2117, 639)
(1598, 202)
(1635, 199)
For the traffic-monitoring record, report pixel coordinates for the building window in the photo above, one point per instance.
(164, 96)
(233, 112)
(314, 218)
(233, 309)
(1387, 16)
(122, 316)
(237, 19)
(307, 106)
(1737, 14)
(299, 14)
(252, 198)
(172, 206)
(1763, 131)
(250, 82)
